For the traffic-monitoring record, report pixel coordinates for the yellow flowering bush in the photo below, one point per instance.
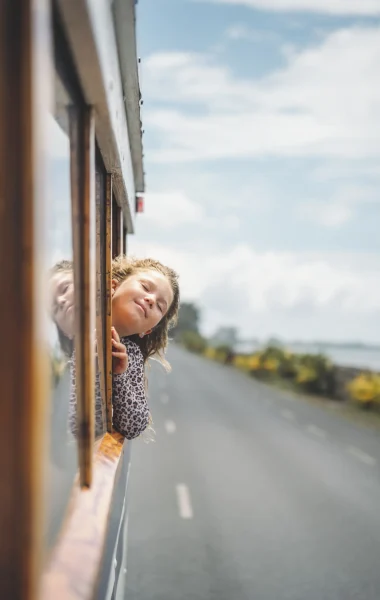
(309, 372)
(260, 363)
(219, 354)
(313, 373)
(254, 363)
(242, 361)
(210, 352)
(365, 388)
(270, 364)
(306, 375)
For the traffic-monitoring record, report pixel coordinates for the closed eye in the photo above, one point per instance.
(63, 288)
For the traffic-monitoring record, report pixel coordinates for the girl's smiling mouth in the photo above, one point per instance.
(141, 307)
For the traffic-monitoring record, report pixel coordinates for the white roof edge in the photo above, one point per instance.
(125, 27)
(90, 31)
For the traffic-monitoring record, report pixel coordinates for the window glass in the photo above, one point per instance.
(60, 315)
(60, 309)
(97, 268)
(101, 283)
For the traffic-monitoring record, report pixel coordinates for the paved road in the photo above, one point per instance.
(248, 494)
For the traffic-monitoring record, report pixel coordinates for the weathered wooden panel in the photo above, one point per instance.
(72, 573)
(82, 144)
(25, 88)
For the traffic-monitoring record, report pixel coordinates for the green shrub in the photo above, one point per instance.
(281, 361)
(224, 353)
(315, 374)
(193, 341)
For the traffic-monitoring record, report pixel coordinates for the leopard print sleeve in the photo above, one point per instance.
(99, 412)
(130, 407)
(73, 397)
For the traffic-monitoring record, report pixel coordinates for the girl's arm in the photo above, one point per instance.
(99, 412)
(130, 408)
(73, 398)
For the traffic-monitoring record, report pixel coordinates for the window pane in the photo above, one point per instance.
(97, 266)
(101, 325)
(62, 458)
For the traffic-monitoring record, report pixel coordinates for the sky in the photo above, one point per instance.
(262, 160)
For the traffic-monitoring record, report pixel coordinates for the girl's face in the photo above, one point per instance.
(62, 302)
(140, 302)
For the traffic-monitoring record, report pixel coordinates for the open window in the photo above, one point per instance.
(59, 149)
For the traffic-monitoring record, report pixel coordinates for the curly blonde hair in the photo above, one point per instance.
(154, 344)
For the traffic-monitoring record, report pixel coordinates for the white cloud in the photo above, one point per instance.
(324, 102)
(304, 296)
(333, 7)
(237, 32)
(347, 169)
(329, 215)
(170, 209)
(242, 32)
(341, 207)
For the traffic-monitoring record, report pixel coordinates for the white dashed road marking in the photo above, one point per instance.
(170, 427)
(366, 458)
(184, 502)
(288, 415)
(317, 431)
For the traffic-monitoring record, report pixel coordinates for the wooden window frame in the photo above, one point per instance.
(100, 275)
(117, 228)
(73, 565)
(83, 534)
(125, 244)
(25, 54)
(82, 150)
(82, 174)
(104, 285)
(108, 311)
(121, 231)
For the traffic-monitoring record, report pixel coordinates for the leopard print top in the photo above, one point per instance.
(130, 409)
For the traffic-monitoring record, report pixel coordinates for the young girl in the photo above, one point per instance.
(61, 288)
(145, 302)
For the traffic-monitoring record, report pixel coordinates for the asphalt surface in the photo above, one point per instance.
(250, 494)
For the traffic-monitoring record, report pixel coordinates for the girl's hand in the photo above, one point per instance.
(119, 354)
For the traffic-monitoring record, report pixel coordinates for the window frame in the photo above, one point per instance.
(104, 281)
(108, 317)
(117, 228)
(84, 530)
(25, 55)
(82, 147)
(26, 29)
(82, 173)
